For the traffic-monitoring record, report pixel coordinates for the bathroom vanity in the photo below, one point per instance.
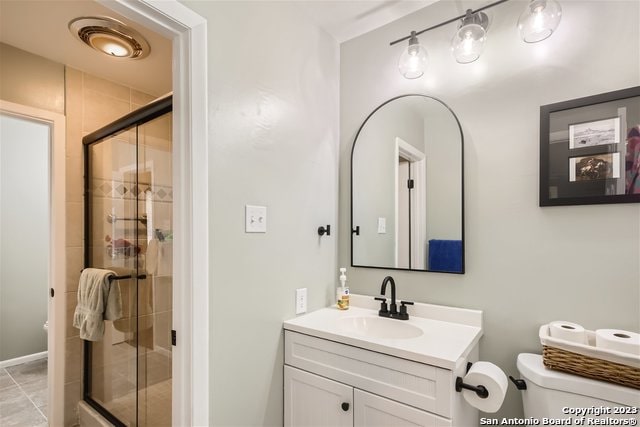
(352, 367)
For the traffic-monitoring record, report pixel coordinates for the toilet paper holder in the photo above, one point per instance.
(480, 390)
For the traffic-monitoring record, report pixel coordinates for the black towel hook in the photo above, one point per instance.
(324, 230)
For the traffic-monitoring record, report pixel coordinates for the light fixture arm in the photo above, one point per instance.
(457, 18)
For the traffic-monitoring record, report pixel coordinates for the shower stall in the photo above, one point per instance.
(128, 229)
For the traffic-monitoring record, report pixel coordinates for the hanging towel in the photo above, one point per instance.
(99, 299)
(445, 255)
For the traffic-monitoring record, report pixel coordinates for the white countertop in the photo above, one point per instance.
(448, 333)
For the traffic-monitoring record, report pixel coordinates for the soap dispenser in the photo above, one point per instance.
(342, 293)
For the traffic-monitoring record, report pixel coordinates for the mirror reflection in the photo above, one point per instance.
(406, 194)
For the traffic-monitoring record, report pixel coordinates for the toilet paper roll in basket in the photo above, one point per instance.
(568, 331)
(491, 378)
(617, 340)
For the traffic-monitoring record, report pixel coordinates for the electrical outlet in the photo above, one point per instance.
(301, 300)
(255, 219)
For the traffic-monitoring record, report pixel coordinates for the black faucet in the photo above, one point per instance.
(392, 311)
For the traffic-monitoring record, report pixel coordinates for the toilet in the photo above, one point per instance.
(555, 395)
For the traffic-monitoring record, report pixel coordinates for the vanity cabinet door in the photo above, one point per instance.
(311, 400)
(375, 411)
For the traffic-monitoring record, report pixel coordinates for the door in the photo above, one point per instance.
(375, 411)
(311, 400)
(32, 255)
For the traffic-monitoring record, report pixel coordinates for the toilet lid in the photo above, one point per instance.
(532, 369)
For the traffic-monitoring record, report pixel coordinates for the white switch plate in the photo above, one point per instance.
(301, 300)
(255, 219)
(382, 225)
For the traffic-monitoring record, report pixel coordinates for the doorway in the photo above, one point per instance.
(410, 206)
(32, 260)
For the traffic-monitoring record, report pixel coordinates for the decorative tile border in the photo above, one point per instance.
(129, 190)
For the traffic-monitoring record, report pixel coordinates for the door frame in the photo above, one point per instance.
(188, 31)
(418, 162)
(57, 252)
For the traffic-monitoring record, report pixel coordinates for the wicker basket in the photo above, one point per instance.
(588, 360)
(590, 367)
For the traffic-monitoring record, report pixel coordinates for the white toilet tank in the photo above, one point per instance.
(565, 399)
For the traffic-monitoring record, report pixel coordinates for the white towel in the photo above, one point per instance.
(99, 299)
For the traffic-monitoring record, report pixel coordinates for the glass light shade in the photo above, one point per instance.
(468, 43)
(110, 45)
(539, 20)
(413, 60)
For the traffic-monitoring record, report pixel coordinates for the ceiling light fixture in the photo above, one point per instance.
(468, 42)
(539, 20)
(110, 36)
(413, 60)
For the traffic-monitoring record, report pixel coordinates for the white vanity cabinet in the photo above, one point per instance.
(335, 375)
(321, 376)
(312, 400)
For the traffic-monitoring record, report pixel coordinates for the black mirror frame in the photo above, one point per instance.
(356, 229)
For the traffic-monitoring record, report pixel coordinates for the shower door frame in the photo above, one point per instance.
(130, 121)
(188, 31)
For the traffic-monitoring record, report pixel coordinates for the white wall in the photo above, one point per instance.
(24, 236)
(273, 115)
(526, 265)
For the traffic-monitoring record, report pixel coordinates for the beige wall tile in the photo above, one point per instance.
(75, 261)
(70, 300)
(74, 136)
(75, 224)
(140, 98)
(162, 294)
(106, 87)
(72, 395)
(100, 110)
(73, 95)
(73, 359)
(74, 179)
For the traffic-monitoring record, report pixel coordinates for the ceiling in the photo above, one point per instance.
(40, 27)
(347, 19)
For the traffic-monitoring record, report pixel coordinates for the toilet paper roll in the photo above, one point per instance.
(617, 340)
(493, 379)
(568, 331)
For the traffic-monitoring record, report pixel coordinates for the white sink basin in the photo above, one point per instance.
(379, 327)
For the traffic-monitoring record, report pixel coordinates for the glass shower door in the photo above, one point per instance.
(155, 305)
(129, 229)
(113, 244)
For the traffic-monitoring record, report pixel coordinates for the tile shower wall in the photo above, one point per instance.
(91, 103)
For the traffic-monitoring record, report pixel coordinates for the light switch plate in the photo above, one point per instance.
(301, 300)
(255, 219)
(382, 225)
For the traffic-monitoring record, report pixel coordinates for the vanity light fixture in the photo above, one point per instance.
(110, 36)
(413, 60)
(539, 20)
(468, 42)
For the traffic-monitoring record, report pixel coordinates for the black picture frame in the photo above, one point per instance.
(602, 177)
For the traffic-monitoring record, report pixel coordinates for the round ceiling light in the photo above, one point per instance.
(110, 37)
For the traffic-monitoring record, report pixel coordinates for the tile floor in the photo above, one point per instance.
(23, 395)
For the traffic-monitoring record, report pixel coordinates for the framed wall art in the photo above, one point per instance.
(590, 150)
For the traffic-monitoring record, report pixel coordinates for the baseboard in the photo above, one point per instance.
(23, 359)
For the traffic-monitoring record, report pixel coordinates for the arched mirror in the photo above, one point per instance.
(407, 188)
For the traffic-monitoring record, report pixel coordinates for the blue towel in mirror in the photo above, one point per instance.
(445, 255)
